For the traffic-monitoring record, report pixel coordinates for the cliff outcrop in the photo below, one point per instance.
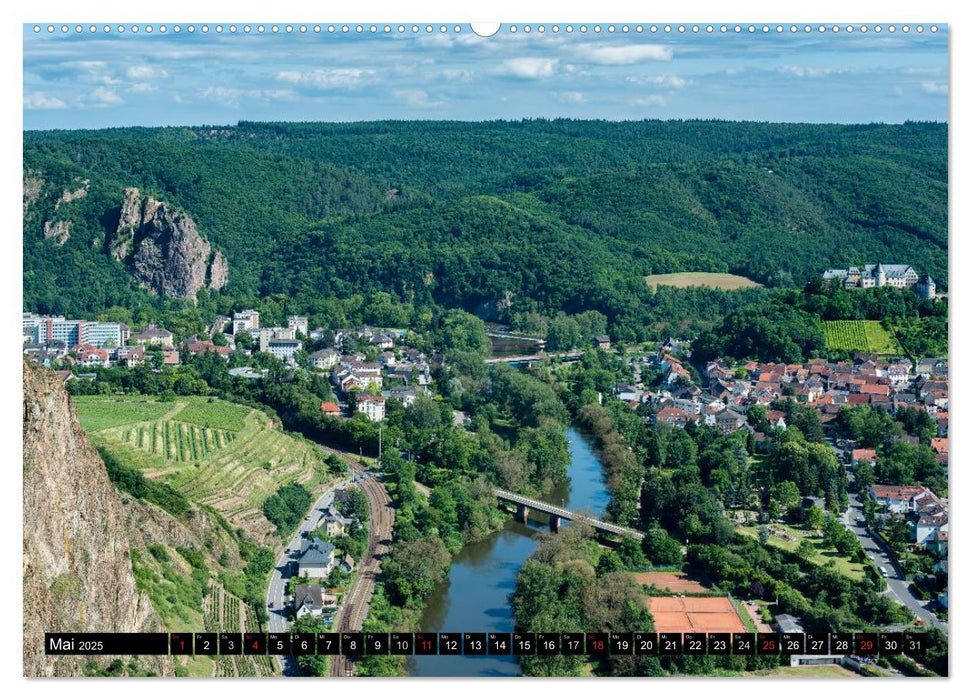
(165, 252)
(77, 572)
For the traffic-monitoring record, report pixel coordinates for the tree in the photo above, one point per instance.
(786, 496)
(660, 548)
(414, 569)
(815, 517)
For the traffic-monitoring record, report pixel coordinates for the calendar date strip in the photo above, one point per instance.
(486, 643)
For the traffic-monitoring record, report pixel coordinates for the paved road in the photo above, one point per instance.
(354, 607)
(896, 583)
(276, 591)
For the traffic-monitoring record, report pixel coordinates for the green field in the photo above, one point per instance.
(216, 453)
(119, 411)
(823, 554)
(215, 414)
(860, 336)
(716, 280)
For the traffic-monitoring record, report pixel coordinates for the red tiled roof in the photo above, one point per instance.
(897, 493)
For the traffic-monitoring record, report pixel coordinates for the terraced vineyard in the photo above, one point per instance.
(216, 453)
(860, 336)
(224, 612)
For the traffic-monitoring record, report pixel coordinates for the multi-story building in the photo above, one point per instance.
(274, 332)
(245, 320)
(44, 330)
(324, 359)
(298, 324)
(103, 334)
(283, 348)
(153, 335)
(371, 406)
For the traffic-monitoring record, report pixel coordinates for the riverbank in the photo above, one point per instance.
(475, 595)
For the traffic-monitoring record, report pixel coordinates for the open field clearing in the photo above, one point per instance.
(216, 453)
(672, 581)
(790, 542)
(862, 336)
(715, 280)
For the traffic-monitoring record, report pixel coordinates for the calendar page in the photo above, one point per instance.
(427, 348)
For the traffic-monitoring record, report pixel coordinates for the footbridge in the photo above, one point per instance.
(556, 513)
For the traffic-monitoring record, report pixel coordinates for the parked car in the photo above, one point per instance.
(884, 572)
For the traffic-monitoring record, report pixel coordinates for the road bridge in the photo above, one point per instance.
(537, 357)
(556, 513)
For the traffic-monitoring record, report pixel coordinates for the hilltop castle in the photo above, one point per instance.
(880, 275)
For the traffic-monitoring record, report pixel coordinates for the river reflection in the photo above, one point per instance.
(475, 598)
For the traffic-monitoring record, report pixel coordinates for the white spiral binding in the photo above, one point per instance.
(65, 29)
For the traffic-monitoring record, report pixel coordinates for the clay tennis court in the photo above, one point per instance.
(695, 615)
(674, 581)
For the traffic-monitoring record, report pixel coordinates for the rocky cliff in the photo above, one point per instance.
(165, 252)
(77, 573)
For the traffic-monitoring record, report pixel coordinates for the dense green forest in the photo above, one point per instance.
(498, 218)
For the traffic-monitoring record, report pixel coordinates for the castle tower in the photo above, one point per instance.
(926, 288)
(880, 276)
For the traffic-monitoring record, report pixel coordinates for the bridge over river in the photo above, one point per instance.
(556, 513)
(537, 357)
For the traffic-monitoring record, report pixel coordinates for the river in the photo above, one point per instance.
(475, 598)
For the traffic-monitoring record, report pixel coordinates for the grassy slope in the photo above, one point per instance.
(716, 280)
(824, 555)
(192, 445)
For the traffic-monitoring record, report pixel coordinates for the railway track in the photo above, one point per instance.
(355, 607)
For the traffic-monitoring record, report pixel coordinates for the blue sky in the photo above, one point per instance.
(101, 80)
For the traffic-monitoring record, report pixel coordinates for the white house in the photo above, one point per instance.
(371, 406)
(316, 560)
(324, 359)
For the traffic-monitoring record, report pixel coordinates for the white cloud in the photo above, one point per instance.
(624, 55)
(38, 100)
(142, 88)
(231, 97)
(651, 101)
(574, 97)
(336, 77)
(92, 72)
(810, 72)
(675, 82)
(529, 67)
(104, 97)
(934, 88)
(457, 75)
(415, 98)
(144, 72)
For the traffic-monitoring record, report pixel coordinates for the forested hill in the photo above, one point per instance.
(495, 216)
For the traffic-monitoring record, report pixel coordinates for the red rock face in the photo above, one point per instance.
(77, 571)
(166, 253)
